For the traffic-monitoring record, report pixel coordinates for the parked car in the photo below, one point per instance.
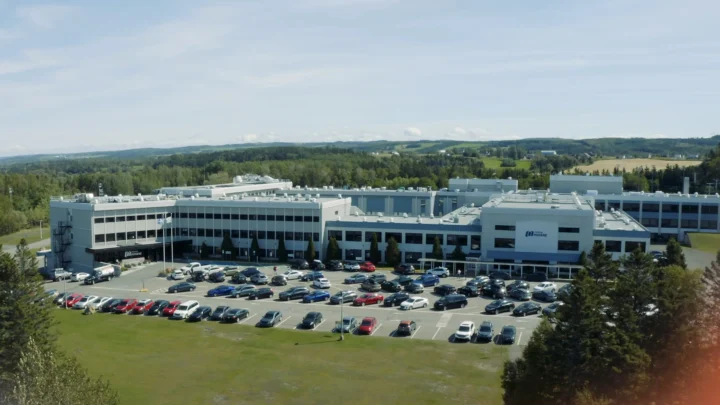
(395, 299)
(217, 277)
(469, 291)
(157, 307)
(109, 306)
(199, 314)
(60, 298)
(545, 296)
(317, 265)
(445, 289)
(243, 290)
(403, 280)
(497, 281)
(198, 275)
(343, 296)
(100, 302)
(527, 308)
(414, 288)
(190, 267)
(299, 264)
(60, 274)
(565, 290)
(406, 328)
(537, 276)
(352, 266)
(185, 309)
(221, 290)
(520, 294)
(234, 315)
(414, 302)
(367, 267)
(498, 306)
(142, 306)
(311, 320)
(85, 301)
(486, 332)
(391, 286)
(259, 278)
(73, 299)
(507, 335)
(370, 286)
(264, 292)
(218, 313)
(181, 287)
(348, 325)
(465, 331)
(502, 275)
(545, 286)
(551, 309)
(321, 283)
(404, 269)
(438, 271)
(293, 293)
(317, 295)
(250, 271)
(230, 271)
(355, 279)
(517, 284)
(451, 301)
(335, 265)
(493, 290)
(79, 276)
(367, 326)
(177, 274)
(378, 278)
(270, 319)
(479, 281)
(239, 278)
(427, 280)
(293, 274)
(278, 280)
(125, 306)
(367, 299)
(312, 276)
(169, 310)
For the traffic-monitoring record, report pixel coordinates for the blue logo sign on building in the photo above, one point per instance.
(535, 234)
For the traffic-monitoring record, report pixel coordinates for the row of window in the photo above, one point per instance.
(241, 217)
(616, 246)
(560, 229)
(655, 207)
(685, 223)
(565, 245)
(102, 220)
(409, 238)
(208, 233)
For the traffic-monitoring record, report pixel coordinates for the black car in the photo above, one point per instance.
(243, 290)
(264, 292)
(294, 293)
(404, 280)
(395, 299)
(405, 269)
(477, 283)
(469, 291)
(537, 276)
(551, 309)
(520, 294)
(565, 290)
(406, 328)
(217, 277)
(493, 290)
(497, 281)
(517, 284)
(370, 286)
(278, 280)
(299, 264)
(502, 275)
(317, 265)
(445, 289)
(250, 271)
(335, 265)
(198, 276)
(219, 312)
(498, 306)
(199, 314)
(343, 296)
(391, 286)
(239, 278)
(545, 296)
(507, 335)
(311, 276)
(110, 305)
(311, 320)
(414, 288)
(234, 315)
(379, 278)
(451, 301)
(270, 319)
(527, 308)
(486, 332)
(181, 287)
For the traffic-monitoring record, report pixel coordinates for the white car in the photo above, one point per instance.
(466, 331)
(190, 267)
(293, 274)
(102, 300)
(79, 276)
(322, 283)
(178, 275)
(439, 271)
(414, 302)
(545, 286)
(352, 266)
(185, 309)
(85, 301)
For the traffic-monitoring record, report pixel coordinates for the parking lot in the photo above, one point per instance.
(432, 324)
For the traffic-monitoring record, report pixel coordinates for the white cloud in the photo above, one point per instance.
(412, 132)
(248, 138)
(44, 16)
(460, 131)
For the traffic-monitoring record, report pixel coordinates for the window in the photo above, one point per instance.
(141, 217)
(412, 257)
(192, 232)
(299, 236)
(99, 238)
(316, 237)
(119, 219)
(209, 232)
(201, 232)
(243, 234)
(613, 246)
(430, 238)
(307, 236)
(689, 223)
(183, 215)
(571, 245)
(201, 215)
(690, 208)
(503, 228)
(141, 234)
(632, 246)
(414, 238)
(396, 235)
(151, 233)
(121, 236)
(271, 235)
(453, 240)
(289, 236)
(307, 218)
(99, 220)
(353, 236)
(243, 217)
(631, 206)
(217, 216)
(614, 204)
(599, 205)
(505, 243)
(252, 217)
(648, 207)
(110, 237)
(669, 223)
(130, 217)
(217, 233)
(159, 233)
(271, 217)
(569, 230)
(225, 216)
(298, 218)
(708, 224)
(183, 232)
(234, 233)
(261, 235)
(191, 215)
(709, 209)
(131, 236)
(316, 219)
(338, 235)
(234, 216)
(261, 218)
(652, 222)
(475, 242)
(353, 254)
(369, 236)
(288, 218)
(670, 208)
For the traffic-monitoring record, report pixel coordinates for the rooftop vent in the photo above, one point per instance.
(380, 214)
(405, 215)
(339, 195)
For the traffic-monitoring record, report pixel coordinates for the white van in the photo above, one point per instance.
(177, 275)
(185, 309)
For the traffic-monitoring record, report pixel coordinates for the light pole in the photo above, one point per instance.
(342, 325)
(41, 229)
(256, 259)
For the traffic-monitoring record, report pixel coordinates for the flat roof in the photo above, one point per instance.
(617, 221)
(539, 200)
(463, 216)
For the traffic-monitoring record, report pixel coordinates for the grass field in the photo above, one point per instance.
(706, 242)
(494, 163)
(156, 361)
(31, 235)
(629, 164)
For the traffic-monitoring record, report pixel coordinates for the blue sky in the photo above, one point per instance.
(96, 75)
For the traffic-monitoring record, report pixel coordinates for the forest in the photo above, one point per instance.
(25, 188)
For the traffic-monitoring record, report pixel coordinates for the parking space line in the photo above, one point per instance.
(436, 332)
(283, 321)
(416, 331)
(376, 329)
(519, 339)
(318, 325)
(248, 318)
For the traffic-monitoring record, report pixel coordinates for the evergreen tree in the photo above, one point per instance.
(583, 259)
(601, 266)
(458, 253)
(392, 253)
(437, 251)
(204, 251)
(374, 250)
(310, 252)
(227, 245)
(282, 253)
(333, 250)
(525, 380)
(711, 299)
(254, 247)
(674, 254)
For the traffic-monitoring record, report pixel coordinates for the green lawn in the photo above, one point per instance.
(31, 235)
(494, 163)
(156, 361)
(706, 242)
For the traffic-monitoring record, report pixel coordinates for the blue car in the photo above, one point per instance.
(317, 295)
(427, 280)
(221, 290)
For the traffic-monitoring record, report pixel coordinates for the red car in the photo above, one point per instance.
(125, 306)
(170, 309)
(142, 306)
(369, 298)
(73, 299)
(367, 326)
(367, 267)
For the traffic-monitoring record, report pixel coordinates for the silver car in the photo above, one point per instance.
(259, 278)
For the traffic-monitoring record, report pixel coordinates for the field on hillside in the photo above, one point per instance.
(31, 235)
(629, 164)
(706, 242)
(157, 361)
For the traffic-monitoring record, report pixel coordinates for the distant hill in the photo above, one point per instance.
(601, 146)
